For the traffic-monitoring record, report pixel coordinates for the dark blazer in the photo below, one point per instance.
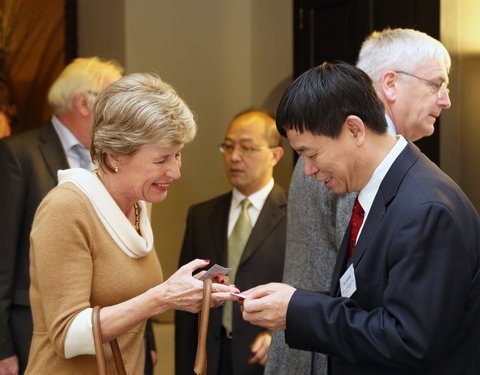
(417, 267)
(261, 262)
(28, 168)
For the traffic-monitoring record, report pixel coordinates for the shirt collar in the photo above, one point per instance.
(392, 129)
(67, 138)
(257, 199)
(368, 193)
(112, 217)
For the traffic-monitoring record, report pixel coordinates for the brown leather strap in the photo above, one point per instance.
(98, 341)
(200, 367)
(117, 357)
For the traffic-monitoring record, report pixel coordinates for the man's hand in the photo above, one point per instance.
(266, 305)
(260, 348)
(9, 366)
(153, 357)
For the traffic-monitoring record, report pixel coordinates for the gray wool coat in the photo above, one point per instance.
(316, 223)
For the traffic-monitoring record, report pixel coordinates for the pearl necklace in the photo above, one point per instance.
(135, 207)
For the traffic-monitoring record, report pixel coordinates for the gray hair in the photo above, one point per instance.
(399, 49)
(136, 110)
(82, 75)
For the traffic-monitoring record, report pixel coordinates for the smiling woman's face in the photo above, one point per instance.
(148, 173)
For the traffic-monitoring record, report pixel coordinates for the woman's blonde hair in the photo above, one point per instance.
(136, 110)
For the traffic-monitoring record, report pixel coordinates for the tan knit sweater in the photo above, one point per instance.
(75, 264)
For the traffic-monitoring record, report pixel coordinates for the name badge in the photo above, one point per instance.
(348, 286)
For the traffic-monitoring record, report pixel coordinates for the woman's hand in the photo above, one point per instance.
(183, 291)
(218, 278)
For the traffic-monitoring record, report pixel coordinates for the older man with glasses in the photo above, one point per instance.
(244, 230)
(409, 70)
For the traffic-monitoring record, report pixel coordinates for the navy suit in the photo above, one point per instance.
(29, 163)
(416, 309)
(261, 262)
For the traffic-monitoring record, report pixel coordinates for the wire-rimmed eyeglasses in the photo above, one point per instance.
(442, 88)
(226, 148)
(94, 93)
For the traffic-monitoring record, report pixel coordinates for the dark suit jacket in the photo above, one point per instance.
(261, 262)
(28, 168)
(417, 305)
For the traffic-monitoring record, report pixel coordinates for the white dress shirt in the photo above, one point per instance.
(370, 190)
(257, 199)
(78, 156)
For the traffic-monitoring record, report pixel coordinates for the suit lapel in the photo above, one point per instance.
(272, 212)
(386, 193)
(340, 264)
(51, 149)
(219, 227)
(377, 211)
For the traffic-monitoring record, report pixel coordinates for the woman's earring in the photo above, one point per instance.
(116, 169)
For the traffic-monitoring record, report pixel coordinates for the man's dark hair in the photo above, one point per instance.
(320, 100)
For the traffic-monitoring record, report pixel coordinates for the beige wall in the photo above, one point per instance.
(460, 135)
(101, 29)
(222, 56)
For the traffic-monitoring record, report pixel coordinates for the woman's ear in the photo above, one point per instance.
(112, 160)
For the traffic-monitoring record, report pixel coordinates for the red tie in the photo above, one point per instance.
(355, 224)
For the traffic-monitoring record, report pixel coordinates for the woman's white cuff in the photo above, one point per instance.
(79, 338)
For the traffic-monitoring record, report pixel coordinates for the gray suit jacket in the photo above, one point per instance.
(261, 262)
(28, 165)
(309, 259)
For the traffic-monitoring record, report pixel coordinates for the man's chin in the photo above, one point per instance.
(235, 181)
(335, 189)
(427, 131)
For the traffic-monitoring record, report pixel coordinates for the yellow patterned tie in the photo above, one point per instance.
(236, 243)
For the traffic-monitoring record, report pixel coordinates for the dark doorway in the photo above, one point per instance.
(326, 30)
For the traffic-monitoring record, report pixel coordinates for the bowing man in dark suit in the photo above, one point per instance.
(251, 150)
(407, 300)
(29, 163)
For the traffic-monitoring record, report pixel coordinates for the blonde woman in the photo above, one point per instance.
(92, 242)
